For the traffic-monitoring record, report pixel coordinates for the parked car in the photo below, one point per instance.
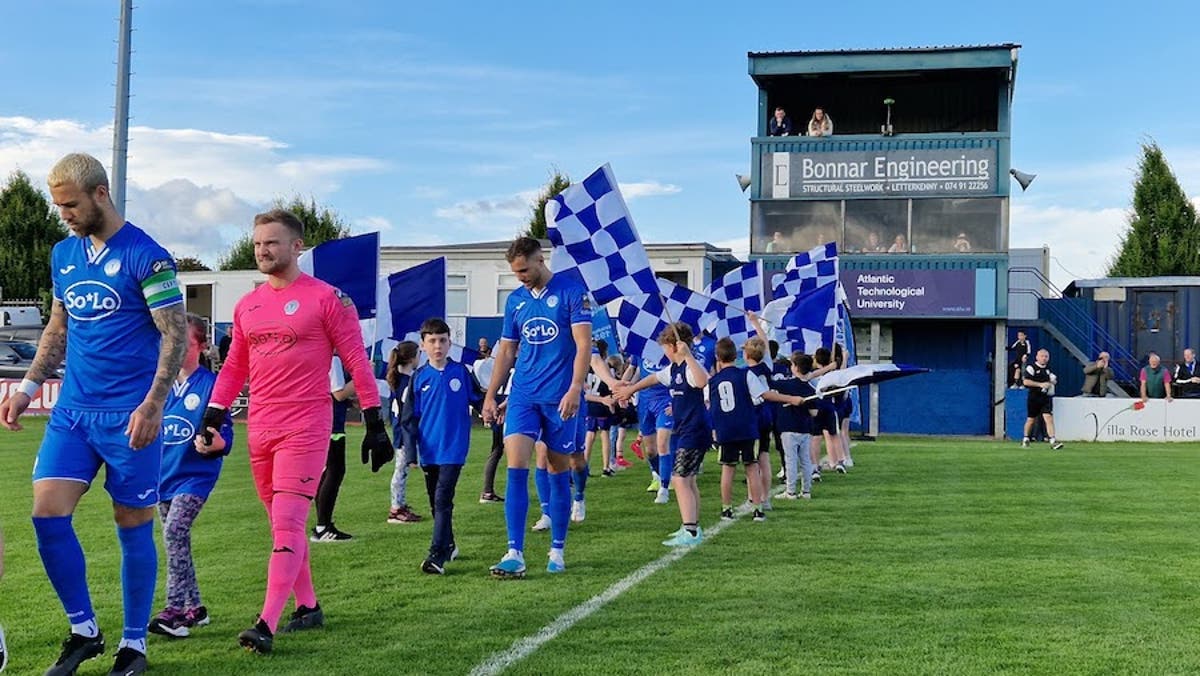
(16, 356)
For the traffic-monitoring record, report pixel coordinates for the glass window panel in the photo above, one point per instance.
(456, 301)
(963, 225)
(456, 280)
(873, 225)
(502, 298)
(791, 226)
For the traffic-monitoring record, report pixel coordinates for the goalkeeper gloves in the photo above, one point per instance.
(376, 447)
(214, 417)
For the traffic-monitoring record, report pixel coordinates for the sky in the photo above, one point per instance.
(438, 123)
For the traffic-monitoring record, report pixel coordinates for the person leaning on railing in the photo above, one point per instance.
(1096, 375)
(1155, 379)
(1187, 375)
(820, 124)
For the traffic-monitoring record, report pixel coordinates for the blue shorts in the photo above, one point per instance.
(77, 443)
(826, 420)
(542, 422)
(597, 423)
(844, 407)
(652, 415)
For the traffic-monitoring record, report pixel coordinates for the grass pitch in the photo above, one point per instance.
(932, 556)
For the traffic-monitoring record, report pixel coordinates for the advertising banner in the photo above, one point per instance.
(882, 173)
(1121, 419)
(42, 402)
(910, 293)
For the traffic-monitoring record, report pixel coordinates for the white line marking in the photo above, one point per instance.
(497, 662)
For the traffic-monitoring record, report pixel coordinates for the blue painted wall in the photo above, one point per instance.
(955, 397)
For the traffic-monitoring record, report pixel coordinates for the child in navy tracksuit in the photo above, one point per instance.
(437, 429)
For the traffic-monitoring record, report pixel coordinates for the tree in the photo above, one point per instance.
(29, 229)
(537, 218)
(1163, 237)
(320, 224)
(190, 264)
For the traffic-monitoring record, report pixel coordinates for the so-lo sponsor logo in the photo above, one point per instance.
(539, 331)
(271, 338)
(177, 430)
(90, 300)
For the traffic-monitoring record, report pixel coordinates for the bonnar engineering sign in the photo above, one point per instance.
(901, 173)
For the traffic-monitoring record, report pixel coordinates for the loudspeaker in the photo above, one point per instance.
(1023, 179)
(743, 181)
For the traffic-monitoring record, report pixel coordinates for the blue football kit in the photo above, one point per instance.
(112, 356)
(733, 393)
(540, 322)
(653, 404)
(184, 469)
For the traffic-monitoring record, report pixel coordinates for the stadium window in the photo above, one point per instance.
(872, 225)
(679, 277)
(505, 285)
(456, 294)
(962, 225)
(790, 226)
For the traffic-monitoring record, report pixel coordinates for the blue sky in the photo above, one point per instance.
(436, 123)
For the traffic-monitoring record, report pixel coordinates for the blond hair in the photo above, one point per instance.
(79, 169)
(755, 348)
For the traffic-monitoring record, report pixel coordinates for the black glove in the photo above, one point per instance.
(214, 417)
(376, 446)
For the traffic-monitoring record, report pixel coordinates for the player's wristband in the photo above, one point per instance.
(29, 388)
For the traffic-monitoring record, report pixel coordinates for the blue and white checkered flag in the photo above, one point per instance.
(642, 318)
(806, 278)
(741, 288)
(821, 253)
(811, 319)
(592, 232)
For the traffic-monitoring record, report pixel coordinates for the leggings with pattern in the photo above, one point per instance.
(177, 516)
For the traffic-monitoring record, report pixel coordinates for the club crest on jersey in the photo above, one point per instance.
(552, 302)
(455, 384)
(90, 300)
(112, 267)
(291, 307)
(539, 331)
(177, 430)
(191, 402)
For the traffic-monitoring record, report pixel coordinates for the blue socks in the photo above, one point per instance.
(516, 506)
(666, 466)
(139, 576)
(541, 480)
(63, 559)
(580, 477)
(560, 508)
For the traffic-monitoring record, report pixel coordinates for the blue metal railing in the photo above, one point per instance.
(1077, 324)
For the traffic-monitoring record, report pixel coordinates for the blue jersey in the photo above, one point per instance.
(654, 394)
(704, 348)
(396, 408)
(732, 393)
(184, 469)
(687, 408)
(599, 388)
(437, 413)
(112, 343)
(540, 322)
(766, 409)
(794, 418)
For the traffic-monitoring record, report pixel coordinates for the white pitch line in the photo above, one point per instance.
(496, 663)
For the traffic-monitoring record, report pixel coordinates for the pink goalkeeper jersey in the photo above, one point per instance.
(284, 339)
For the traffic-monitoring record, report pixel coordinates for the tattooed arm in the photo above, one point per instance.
(145, 424)
(51, 349)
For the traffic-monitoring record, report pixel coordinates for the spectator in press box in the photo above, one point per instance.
(777, 244)
(1096, 375)
(962, 244)
(780, 124)
(899, 245)
(820, 124)
(873, 245)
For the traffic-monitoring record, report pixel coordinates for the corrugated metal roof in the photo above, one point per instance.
(889, 50)
(1136, 282)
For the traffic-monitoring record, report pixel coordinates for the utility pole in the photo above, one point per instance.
(121, 119)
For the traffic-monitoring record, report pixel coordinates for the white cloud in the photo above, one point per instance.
(372, 224)
(259, 168)
(1081, 240)
(191, 220)
(633, 191)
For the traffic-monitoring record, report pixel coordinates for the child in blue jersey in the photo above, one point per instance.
(754, 351)
(437, 429)
(795, 423)
(734, 395)
(600, 419)
(401, 364)
(188, 477)
(827, 423)
(654, 426)
(686, 379)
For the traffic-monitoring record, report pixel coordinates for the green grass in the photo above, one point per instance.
(933, 556)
